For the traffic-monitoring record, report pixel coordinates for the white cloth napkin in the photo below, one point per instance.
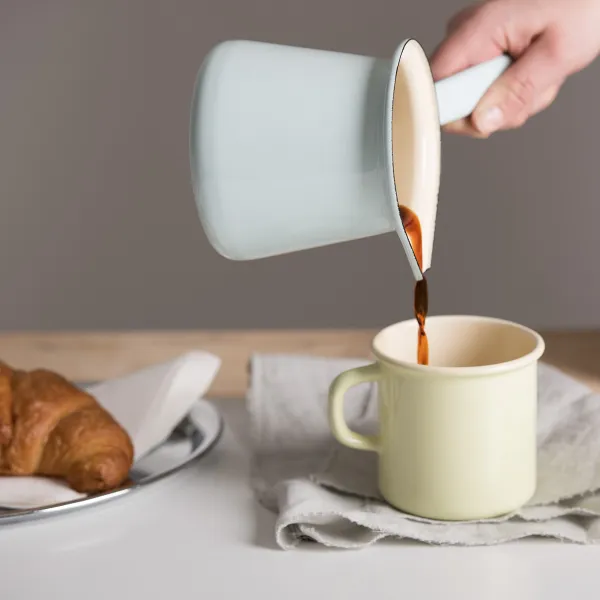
(148, 404)
(325, 492)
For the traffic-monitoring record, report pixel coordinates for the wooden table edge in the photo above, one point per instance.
(99, 355)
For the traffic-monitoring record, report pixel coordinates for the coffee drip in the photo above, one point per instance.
(412, 226)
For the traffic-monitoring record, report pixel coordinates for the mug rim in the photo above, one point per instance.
(502, 367)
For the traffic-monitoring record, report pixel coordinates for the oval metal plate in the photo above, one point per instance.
(195, 436)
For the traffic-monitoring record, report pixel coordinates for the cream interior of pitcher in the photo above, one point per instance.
(415, 145)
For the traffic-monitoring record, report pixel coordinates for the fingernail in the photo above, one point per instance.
(490, 120)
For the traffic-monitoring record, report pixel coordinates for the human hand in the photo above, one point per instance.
(549, 40)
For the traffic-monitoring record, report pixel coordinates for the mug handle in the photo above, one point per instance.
(340, 385)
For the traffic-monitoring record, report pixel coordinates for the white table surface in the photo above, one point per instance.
(201, 535)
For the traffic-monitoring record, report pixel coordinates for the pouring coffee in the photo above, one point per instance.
(412, 226)
(294, 148)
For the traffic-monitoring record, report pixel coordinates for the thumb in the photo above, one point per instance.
(514, 96)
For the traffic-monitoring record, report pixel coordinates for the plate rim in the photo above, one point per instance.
(13, 516)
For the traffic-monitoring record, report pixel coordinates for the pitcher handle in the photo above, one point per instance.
(459, 94)
(341, 384)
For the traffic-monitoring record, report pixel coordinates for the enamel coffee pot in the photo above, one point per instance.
(293, 148)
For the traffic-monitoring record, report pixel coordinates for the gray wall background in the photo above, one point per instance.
(98, 227)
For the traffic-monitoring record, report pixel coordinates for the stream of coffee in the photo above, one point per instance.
(412, 226)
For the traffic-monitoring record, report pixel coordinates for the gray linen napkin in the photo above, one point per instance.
(325, 492)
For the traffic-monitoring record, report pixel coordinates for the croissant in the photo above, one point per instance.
(50, 427)
(5, 405)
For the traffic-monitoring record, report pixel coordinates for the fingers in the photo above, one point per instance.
(471, 39)
(460, 18)
(482, 32)
(543, 101)
(529, 85)
(465, 126)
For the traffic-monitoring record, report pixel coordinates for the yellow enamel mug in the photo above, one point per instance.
(457, 438)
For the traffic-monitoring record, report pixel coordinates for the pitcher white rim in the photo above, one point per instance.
(427, 147)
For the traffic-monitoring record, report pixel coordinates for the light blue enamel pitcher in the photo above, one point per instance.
(294, 148)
